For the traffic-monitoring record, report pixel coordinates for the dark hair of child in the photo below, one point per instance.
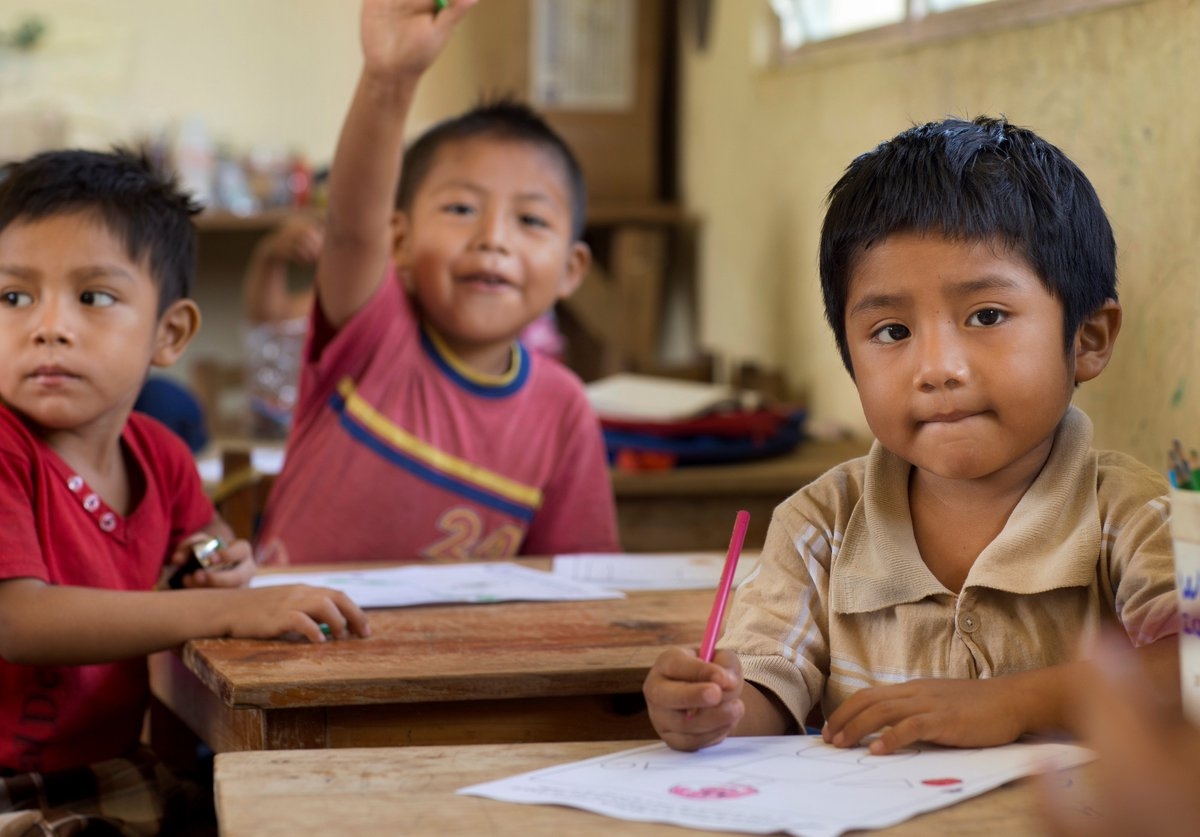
(980, 180)
(139, 205)
(506, 120)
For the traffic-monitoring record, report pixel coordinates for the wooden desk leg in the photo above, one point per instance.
(226, 728)
(171, 739)
(639, 266)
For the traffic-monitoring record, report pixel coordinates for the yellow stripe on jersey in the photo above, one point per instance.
(411, 446)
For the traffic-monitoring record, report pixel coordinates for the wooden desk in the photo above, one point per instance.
(411, 791)
(550, 671)
(689, 509)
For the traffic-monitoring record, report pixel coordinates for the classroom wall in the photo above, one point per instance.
(259, 73)
(762, 146)
(268, 75)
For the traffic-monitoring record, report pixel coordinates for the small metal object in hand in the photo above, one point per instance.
(201, 559)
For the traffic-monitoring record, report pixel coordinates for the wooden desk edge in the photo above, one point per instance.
(618, 668)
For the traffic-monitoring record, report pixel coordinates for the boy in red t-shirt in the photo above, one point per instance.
(97, 505)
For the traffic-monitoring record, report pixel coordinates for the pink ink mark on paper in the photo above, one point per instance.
(719, 792)
(941, 783)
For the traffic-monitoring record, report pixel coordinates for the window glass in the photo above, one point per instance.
(824, 27)
(946, 5)
(802, 21)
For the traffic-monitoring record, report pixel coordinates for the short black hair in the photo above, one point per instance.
(504, 119)
(978, 180)
(141, 205)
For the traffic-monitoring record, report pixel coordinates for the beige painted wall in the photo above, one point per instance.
(276, 74)
(1111, 88)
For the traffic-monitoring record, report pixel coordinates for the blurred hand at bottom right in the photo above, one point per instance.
(1148, 771)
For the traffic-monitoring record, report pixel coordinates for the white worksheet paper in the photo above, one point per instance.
(624, 571)
(445, 584)
(795, 784)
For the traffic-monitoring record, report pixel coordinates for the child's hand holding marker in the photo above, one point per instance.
(694, 699)
(693, 703)
(1185, 471)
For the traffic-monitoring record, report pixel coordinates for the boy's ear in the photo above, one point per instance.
(400, 256)
(1095, 339)
(399, 236)
(176, 328)
(579, 261)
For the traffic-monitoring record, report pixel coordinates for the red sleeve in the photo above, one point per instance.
(331, 355)
(20, 549)
(577, 513)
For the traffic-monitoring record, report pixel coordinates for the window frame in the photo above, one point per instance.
(932, 27)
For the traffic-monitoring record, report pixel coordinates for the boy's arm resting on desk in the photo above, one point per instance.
(47, 624)
(400, 39)
(980, 713)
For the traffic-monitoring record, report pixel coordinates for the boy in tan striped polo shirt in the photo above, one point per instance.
(938, 588)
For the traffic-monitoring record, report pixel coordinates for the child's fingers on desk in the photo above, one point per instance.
(267, 612)
(349, 615)
(330, 614)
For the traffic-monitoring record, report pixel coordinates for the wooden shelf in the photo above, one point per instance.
(604, 213)
(222, 221)
(600, 214)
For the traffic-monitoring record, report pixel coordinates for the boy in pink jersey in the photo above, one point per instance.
(424, 429)
(97, 504)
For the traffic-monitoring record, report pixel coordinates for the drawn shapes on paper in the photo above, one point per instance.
(889, 761)
(948, 784)
(730, 791)
(877, 784)
(640, 764)
(792, 769)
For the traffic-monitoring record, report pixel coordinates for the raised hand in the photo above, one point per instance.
(401, 38)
